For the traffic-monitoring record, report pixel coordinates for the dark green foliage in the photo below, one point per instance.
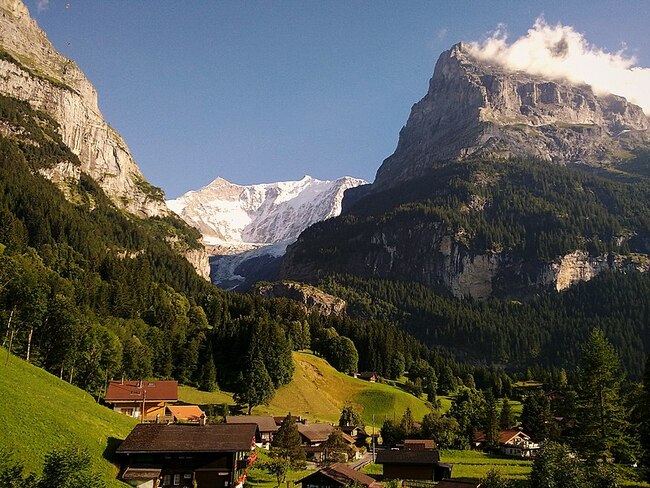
(491, 421)
(339, 351)
(350, 417)
(391, 433)
(444, 430)
(602, 421)
(536, 418)
(337, 450)
(68, 467)
(287, 444)
(507, 416)
(208, 376)
(254, 386)
(493, 479)
(468, 408)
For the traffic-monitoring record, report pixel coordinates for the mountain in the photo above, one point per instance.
(251, 224)
(33, 71)
(502, 184)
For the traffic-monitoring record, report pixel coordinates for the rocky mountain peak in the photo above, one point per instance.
(477, 109)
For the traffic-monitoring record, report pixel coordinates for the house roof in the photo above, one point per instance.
(186, 412)
(457, 484)
(505, 436)
(407, 457)
(133, 390)
(419, 444)
(141, 473)
(344, 475)
(265, 423)
(146, 438)
(368, 374)
(316, 432)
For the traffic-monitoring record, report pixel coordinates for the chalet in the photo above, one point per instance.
(371, 376)
(266, 426)
(337, 476)
(514, 443)
(358, 434)
(314, 435)
(184, 413)
(413, 465)
(133, 398)
(187, 456)
(419, 445)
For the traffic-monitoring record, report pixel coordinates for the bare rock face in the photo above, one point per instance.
(33, 71)
(476, 110)
(310, 297)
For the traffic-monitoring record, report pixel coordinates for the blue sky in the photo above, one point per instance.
(264, 91)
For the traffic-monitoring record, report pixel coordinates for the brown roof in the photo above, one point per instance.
(368, 374)
(407, 457)
(185, 412)
(188, 438)
(264, 423)
(344, 475)
(457, 484)
(141, 473)
(135, 390)
(419, 444)
(504, 436)
(315, 432)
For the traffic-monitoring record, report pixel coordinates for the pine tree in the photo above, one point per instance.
(491, 422)
(349, 416)
(256, 386)
(599, 408)
(287, 444)
(507, 416)
(407, 423)
(208, 380)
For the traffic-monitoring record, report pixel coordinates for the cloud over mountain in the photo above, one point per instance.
(560, 52)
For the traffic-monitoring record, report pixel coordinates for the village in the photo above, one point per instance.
(176, 444)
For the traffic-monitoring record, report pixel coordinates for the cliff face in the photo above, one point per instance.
(33, 71)
(483, 195)
(310, 297)
(475, 110)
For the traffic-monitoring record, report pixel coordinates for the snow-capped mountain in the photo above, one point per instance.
(237, 221)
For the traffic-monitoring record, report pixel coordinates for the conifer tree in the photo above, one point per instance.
(507, 416)
(256, 386)
(349, 416)
(286, 443)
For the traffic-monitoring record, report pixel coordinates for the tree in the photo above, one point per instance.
(491, 421)
(602, 420)
(337, 450)
(277, 467)
(397, 365)
(536, 416)
(444, 430)
(408, 422)
(69, 467)
(468, 409)
(447, 383)
(286, 443)
(391, 433)
(12, 472)
(507, 416)
(644, 420)
(349, 416)
(208, 379)
(256, 387)
(493, 479)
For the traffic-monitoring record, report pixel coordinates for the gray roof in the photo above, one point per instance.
(316, 432)
(146, 438)
(265, 423)
(407, 457)
(343, 475)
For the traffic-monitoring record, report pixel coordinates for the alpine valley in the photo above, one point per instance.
(510, 227)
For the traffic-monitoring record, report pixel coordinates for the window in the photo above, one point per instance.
(177, 479)
(167, 480)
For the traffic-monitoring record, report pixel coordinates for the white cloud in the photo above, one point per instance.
(42, 5)
(560, 52)
(442, 33)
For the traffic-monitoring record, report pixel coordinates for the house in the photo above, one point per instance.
(132, 398)
(337, 476)
(187, 455)
(314, 435)
(185, 413)
(359, 435)
(266, 426)
(413, 465)
(514, 443)
(419, 445)
(371, 376)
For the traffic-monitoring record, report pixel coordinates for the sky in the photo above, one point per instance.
(263, 91)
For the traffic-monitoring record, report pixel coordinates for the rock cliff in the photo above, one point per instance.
(310, 297)
(32, 70)
(474, 110)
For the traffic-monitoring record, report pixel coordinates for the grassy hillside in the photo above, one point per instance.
(318, 392)
(41, 412)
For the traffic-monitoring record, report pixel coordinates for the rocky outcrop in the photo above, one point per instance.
(200, 259)
(310, 297)
(33, 71)
(477, 110)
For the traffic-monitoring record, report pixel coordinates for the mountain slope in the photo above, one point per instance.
(41, 412)
(502, 184)
(249, 227)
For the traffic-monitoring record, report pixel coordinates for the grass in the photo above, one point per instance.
(41, 412)
(259, 478)
(189, 394)
(474, 465)
(317, 391)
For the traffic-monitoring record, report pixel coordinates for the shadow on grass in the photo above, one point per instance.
(112, 443)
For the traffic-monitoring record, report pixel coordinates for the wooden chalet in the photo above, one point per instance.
(413, 465)
(336, 476)
(184, 413)
(266, 426)
(187, 456)
(135, 398)
(418, 445)
(515, 443)
(314, 435)
(371, 376)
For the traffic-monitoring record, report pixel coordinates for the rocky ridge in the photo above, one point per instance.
(473, 110)
(32, 70)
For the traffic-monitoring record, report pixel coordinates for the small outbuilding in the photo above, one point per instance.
(413, 465)
(337, 476)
